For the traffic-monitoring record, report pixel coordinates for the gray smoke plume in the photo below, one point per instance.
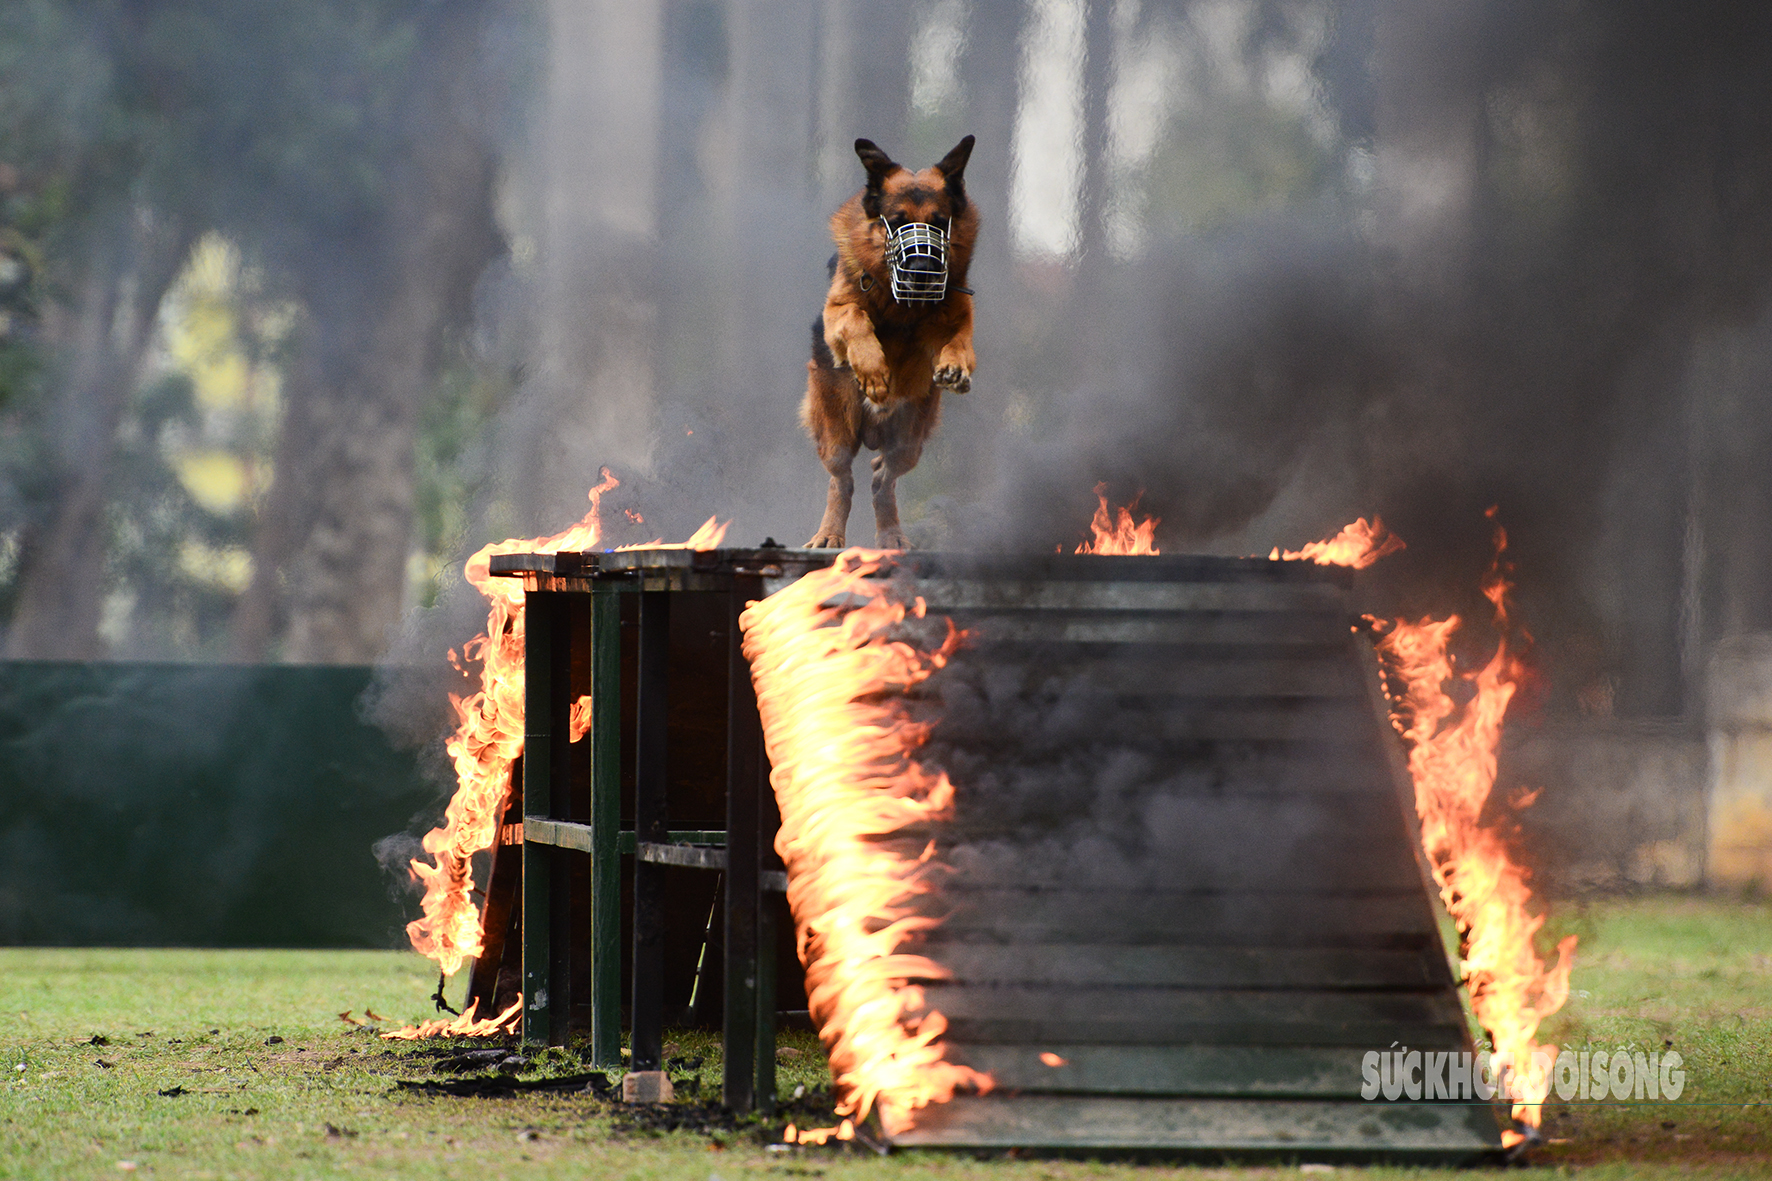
(1540, 290)
(1521, 261)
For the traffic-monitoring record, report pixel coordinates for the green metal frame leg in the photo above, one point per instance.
(606, 692)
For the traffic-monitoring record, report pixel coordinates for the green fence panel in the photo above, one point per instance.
(199, 805)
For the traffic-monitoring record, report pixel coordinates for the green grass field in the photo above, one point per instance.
(1696, 972)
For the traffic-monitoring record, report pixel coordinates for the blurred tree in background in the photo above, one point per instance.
(320, 173)
(246, 391)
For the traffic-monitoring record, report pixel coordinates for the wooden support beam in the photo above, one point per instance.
(546, 708)
(605, 737)
(645, 1040)
(500, 914)
(744, 761)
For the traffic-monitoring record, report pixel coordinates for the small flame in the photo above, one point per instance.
(843, 1131)
(1452, 761)
(578, 718)
(1358, 545)
(1053, 1060)
(708, 537)
(463, 1026)
(829, 664)
(1118, 533)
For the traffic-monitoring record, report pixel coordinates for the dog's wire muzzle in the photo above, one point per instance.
(918, 254)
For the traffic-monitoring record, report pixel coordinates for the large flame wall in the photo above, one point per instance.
(831, 658)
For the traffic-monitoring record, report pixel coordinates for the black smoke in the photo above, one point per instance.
(1538, 331)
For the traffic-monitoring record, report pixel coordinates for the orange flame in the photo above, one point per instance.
(1119, 534)
(485, 745)
(487, 741)
(1452, 762)
(828, 668)
(1358, 545)
(709, 536)
(463, 1026)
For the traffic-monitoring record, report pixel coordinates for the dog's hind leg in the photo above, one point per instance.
(832, 413)
(887, 532)
(901, 446)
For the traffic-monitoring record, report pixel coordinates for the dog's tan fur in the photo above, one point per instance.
(878, 367)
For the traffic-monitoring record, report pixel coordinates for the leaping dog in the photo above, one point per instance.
(896, 330)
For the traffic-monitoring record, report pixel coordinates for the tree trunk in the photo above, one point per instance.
(133, 261)
(333, 548)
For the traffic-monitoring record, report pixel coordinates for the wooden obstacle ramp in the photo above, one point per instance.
(1184, 895)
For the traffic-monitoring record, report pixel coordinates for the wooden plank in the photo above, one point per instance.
(1293, 1072)
(1165, 568)
(1152, 721)
(1310, 672)
(1243, 769)
(1198, 967)
(1288, 1128)
(1215, 1028)
(499, 914)
(944, 595)
(560, 834)
(1030, 1014)
(572, 834)
(686, 856)
(1169, 844)
(1282, 919)
(1266, 629)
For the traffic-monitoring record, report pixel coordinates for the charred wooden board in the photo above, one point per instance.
(1276, 919)
(1087, 964)
(1179, 897)
(1266, 1127)
(1063, 1067)
(1031, 1015)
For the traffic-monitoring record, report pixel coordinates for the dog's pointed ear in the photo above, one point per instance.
(879, 166)
(878, 163)
(953, 172)
(953, 165)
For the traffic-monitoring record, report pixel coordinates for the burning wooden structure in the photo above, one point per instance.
(1180, 891)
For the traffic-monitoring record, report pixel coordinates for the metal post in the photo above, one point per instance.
(650, 824)
(546, 663)
(744, 756)
(605, 824)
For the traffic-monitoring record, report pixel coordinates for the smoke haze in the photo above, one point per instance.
(1271, 265)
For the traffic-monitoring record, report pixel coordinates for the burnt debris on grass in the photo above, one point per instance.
(502, 1085)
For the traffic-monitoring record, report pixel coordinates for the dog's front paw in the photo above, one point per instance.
(824, 539)
(955, 378)
(868, 362)
(892, 538)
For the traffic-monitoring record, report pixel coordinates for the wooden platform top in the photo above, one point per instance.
(789, 563)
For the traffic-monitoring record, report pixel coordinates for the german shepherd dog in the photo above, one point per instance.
(896, 330)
